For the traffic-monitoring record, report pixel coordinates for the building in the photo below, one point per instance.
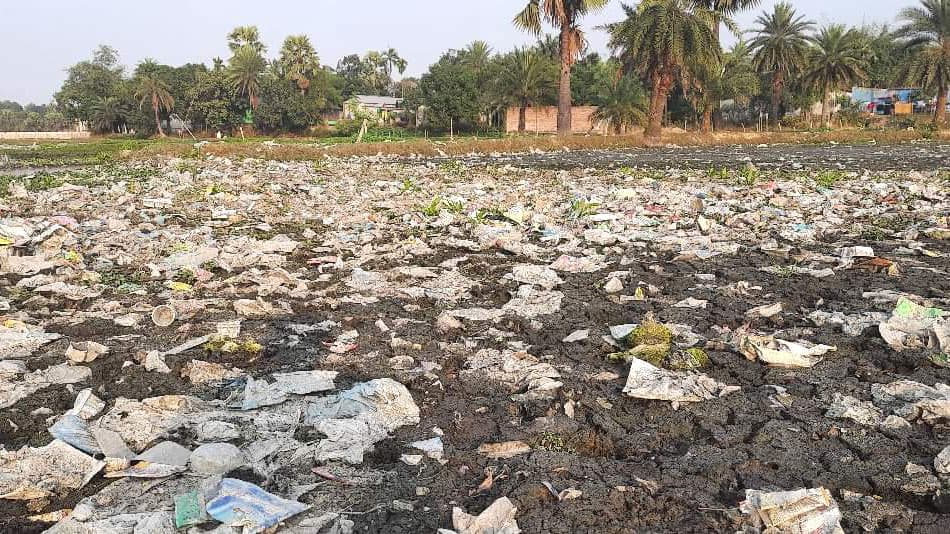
(380, 107)
(543, 119)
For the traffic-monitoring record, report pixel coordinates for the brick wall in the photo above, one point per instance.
(544, 119)
(44, 135)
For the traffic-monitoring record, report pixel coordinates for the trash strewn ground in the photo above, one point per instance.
(380, 345)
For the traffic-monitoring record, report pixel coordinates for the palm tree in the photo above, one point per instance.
(548, 46)
(780, 47)
(623, 105)
(837, 59)
(526, 79)
(565, 15)
(665, 41)
(477, 56)
(392, 59)
(926, 34)
(109, 114)
(152, 89)
(246, 36)
(734, 80)
(244, 72)
(299, 61)
(723, 11)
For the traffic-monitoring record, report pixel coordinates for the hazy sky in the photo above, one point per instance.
(43, 37)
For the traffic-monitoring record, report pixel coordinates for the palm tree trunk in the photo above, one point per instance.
(707, 118)
(661, 89)
(825, 116)
(564, 92)
(941, 111)
(778, 84)
(158, 121)
(523, 115)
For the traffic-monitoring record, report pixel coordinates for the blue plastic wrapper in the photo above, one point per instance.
(242, 504)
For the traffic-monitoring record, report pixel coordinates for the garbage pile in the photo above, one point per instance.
(257, 346)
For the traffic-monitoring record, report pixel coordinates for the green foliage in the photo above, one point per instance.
(583, 208)
(433, 208)
(409, 185)
(718, 173)
(837, 59)
(749, 175)
(283, 107)
(623, 104)
(450, 95)
(666, 41)
(244, 71)
(454, 206)
(780, 48)
(828, 178)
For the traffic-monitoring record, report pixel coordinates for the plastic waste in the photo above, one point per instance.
(498, 518)
(781, 353)
(811, 511)
(648, 382)
(240, 504)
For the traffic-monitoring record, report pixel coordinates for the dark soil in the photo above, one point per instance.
(641, 465)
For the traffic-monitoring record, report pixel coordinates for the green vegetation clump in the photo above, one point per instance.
(225, 345)
(827, 179)
(650, 332)
(689, 359)
(583, 208)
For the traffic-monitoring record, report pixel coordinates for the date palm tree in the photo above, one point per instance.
(526, 79)
(244, 71)
(926, 36)
(836, 60)
(299, 61)
(723, 13)
(565, 15)
(623, 104)
(780, 47)
(109, 114)
(151, 89)
(665, 41)
(734, 79)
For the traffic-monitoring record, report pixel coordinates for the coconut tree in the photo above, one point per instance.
(150, 88)
(565, 15)
(393, 60)
(244, 71)
(623, 104)
(665, 41)
(526, 79)
(299, 61)
(926, 36)
(780, 47)
(837, 59)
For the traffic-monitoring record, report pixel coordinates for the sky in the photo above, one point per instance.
(43, 38)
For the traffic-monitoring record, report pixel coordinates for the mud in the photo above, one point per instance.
(920, 156)
(641, 465)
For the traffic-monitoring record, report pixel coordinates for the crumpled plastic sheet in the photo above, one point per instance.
(498, 518)
(913, 400)
(914, 326)
(241, 504)
(531, 302)
(355, 419)
(14, 390)
(519, 370)
(648, 382)
(34, 473)
(20, 340)
(803, 511)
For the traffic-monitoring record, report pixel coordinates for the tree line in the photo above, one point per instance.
(666, 64)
